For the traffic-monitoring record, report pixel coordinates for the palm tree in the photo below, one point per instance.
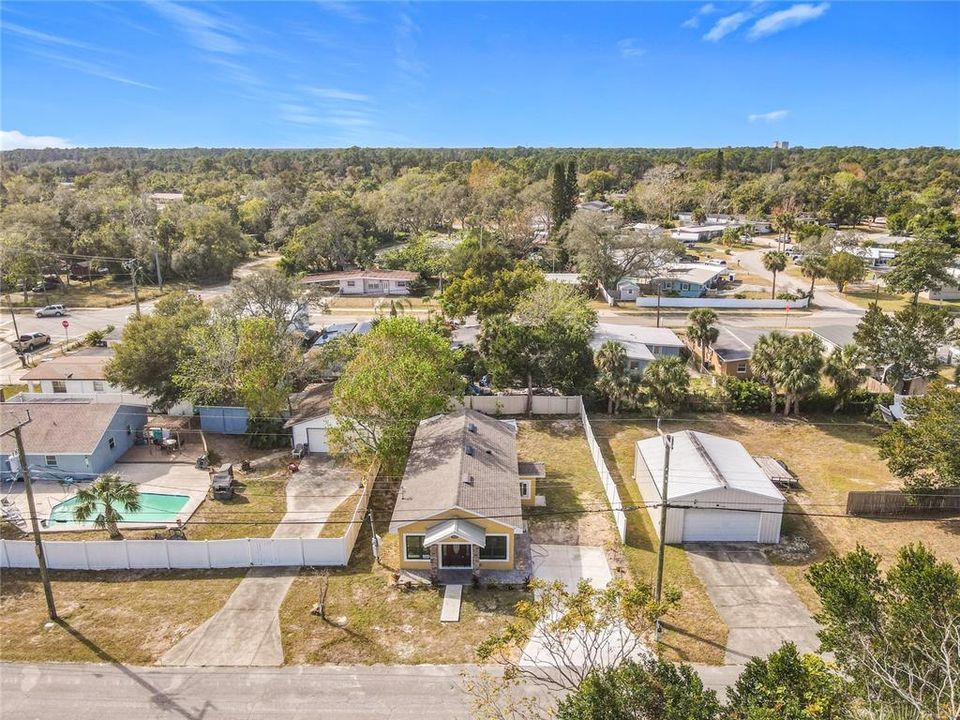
(666, 382)
(765, 362)
(611, 362)
(775, 261)
(102, 499)
(801, 360)
(814, 266)
(702, 330)
(846, 370)
(392, 306)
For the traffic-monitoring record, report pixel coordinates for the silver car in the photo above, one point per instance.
(51, 311)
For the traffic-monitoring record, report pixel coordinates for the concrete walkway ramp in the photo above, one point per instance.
(450, 612)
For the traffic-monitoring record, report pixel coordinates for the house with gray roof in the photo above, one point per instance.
(461, 498)
(74, 437)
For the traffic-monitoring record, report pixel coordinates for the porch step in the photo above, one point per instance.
(451, 603)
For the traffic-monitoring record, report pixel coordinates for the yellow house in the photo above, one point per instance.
(460, 501)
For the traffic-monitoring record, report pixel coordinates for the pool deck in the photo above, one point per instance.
(152, 477)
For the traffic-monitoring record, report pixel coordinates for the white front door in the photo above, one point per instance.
(702, 525)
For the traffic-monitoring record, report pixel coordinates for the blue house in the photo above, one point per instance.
(78, 438)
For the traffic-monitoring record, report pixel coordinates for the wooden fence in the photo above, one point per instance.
(895, 502)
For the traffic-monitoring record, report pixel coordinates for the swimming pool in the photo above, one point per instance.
(154, 508)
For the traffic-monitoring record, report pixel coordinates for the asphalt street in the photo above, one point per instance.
(120, 692)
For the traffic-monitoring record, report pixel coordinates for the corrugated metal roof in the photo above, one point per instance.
(464, 460)
(701, 462)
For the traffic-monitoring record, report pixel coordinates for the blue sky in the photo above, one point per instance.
(326, 74)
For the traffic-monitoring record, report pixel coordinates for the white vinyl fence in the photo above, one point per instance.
(517, 404)
(181, 554)
(609, 486)
(729, 303)
(192, 554)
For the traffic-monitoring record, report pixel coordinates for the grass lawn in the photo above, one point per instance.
(369, 620)
(336, 524)
(259, 503)
(103, 293)
(571, 485)
(129, 616)
(889, 301)
(10, 390)
(831, 457)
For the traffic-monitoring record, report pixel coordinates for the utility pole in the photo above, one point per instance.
(132, 264)
(13, 315)
(659, 289)
(25, 469)
(374, 540)
(156, 261)
(664, 505)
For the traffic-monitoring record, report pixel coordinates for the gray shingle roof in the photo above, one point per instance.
(61, 427)
(461, 460)
(313, 402)
(80, 366)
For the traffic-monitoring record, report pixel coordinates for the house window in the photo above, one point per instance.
(524, 489)
(685, 286)
(414, 549)
(495, 549)
(59, 386)
(401, 283)
(111, 443)
(742, 368)
(351, 283)
(98, 385)
(50, 460)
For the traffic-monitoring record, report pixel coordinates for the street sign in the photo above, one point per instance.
(66, 323)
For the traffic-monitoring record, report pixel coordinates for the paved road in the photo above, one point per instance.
(118, 692)
(760, 609)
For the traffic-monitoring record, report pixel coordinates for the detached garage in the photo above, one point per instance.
(716, 491)
(312, 418)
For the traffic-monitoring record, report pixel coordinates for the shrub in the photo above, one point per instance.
(747, 396)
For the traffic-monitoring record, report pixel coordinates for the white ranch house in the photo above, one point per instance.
(365, 282)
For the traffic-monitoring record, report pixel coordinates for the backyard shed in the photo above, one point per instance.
(312, 418)
(716, 491)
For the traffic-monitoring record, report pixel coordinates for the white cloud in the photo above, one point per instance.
(772, 116)
(14, 139)
(726, 25)
(90, 68)
(346, 10)
(44, 38)
(694, 22)
(783, 19)
(628, 48)
(338, 94)
(406, 55)
(204, 30)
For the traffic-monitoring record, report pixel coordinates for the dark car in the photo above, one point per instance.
(49, 282)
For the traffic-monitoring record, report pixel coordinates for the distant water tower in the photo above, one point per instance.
(781, 145)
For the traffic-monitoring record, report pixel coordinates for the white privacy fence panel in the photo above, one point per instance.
(178, 554)
(609, 486)
(517, 404)
(743, 303)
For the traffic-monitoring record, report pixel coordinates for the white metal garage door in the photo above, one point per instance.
(720, 526)
(317, 440)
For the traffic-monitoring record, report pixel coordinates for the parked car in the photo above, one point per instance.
(49, 282)
(31, 341)
(52, 311)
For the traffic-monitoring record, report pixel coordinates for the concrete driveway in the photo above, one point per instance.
(246, 630)
(760, 609)
(569, 564)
